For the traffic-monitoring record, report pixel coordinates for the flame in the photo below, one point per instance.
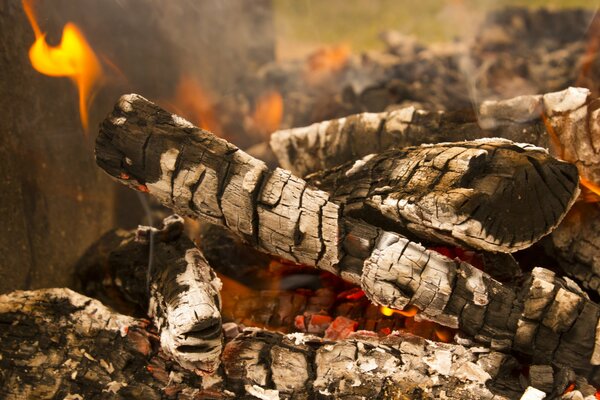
(592, 192)
(73, 58)
(443, 334)
(329, 59)
(196, 103)
(409, 311)
(268, 112)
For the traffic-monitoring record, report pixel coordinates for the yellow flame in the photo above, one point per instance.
(72, 58)
(409, 311)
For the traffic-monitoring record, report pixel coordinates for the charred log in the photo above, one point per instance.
(163, 272)
(487, 194)
(59, 344)
(565, 122)
(576, 244)
(547, 318)
(200, 175)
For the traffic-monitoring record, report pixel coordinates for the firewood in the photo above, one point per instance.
(55, 343)
(164, 272)
(488, 194)
(546, 317)
(197, 174)
(576, 243)
(565, 122)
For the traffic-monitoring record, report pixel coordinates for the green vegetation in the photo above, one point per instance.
(358, 22)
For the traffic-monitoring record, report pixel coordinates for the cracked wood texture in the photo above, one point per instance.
(56, 343)
(489, 194)
(547, 318)
(566, 122)
(197, 174)
(576, 244)
(200, 175)
(163, 272)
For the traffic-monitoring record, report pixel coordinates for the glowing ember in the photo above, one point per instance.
(268, 112)
(73, 58)
(196, 103)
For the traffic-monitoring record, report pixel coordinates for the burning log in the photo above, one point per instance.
(56, 343)
(200, 175)
(474, 194)
(203, 176)
(576, 244)
(566, 122)
(164, 273)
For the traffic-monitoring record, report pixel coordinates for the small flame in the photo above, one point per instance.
(195, 102)
(73, 58)
(409, 311)
(592, 194)
(268, 112)
(329, 59)
(443, 334)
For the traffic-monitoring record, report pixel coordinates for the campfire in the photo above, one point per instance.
(345, 227)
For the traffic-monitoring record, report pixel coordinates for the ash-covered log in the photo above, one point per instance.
(162, 271)
(566, 122)
(576, 244)
(489, 194)
(198, 174)
(56, 343)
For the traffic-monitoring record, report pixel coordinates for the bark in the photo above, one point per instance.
(195, 173)
(576, 244)
(164, 273)
(59, 344)
(488, 194)
(217, 182)
(546, 317)
(566, 122)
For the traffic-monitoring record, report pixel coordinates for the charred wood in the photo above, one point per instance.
(488, 194)
(197, 174)
(576, 244)
(565, 122)
(59, 344)
(163, 273)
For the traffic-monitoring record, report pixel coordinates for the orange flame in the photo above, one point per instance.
(268, 112)
(72, 58)
(409, 311)
(592, 194)
(329, 59)
(195, 102)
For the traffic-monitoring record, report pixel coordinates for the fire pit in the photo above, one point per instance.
(380, 237)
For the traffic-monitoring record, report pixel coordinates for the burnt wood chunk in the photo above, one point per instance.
(576, 244)
(179, 290)
(489, 194)
(56, 343)
(199, 175)
(565, 122)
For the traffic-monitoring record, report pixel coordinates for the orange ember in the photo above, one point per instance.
(194, 102)
(268, 112)
(329, 59)
(73, 58)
